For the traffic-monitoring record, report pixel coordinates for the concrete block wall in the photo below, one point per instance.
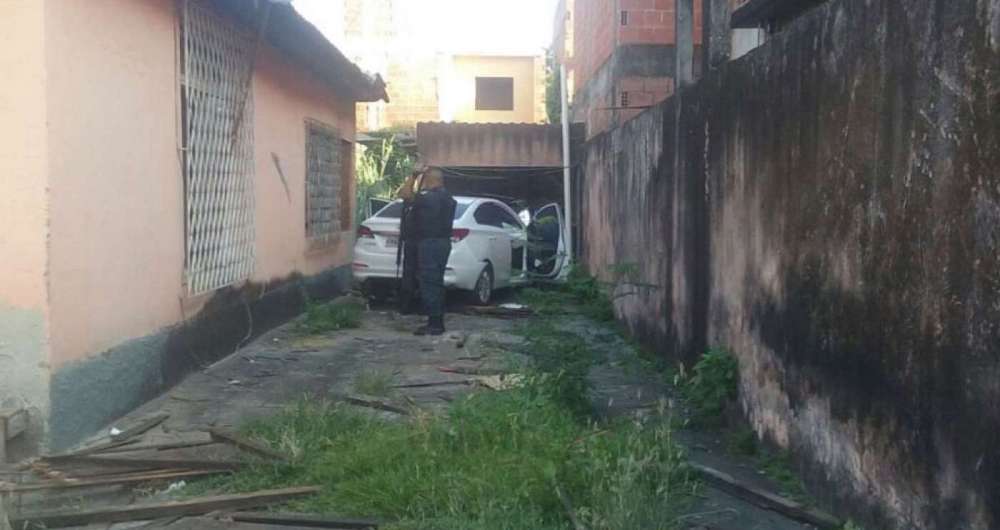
(835, 224)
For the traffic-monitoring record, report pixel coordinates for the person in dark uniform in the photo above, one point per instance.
(406, 253)
(433, 217)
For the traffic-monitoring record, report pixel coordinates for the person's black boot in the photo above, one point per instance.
(434, 327)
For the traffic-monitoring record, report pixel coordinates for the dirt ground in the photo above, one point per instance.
(282, 366)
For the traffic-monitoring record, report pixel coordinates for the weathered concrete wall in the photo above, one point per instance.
(836, 224)
(23, 217)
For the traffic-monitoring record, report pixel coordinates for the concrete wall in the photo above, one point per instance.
(122, 326)
(24, 362)
(458, 89)
(836, 225)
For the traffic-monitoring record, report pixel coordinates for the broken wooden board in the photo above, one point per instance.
(463, 370)
(139, 427)
(244, 444)
(463, 382)
(13, 423)
(97, 448)
(374, 404)
(303, 521)
(768, 500)
(148, 463)
(148, 512)
(130, 478)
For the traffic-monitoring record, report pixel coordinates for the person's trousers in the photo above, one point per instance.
(408, 296)
(432, 256)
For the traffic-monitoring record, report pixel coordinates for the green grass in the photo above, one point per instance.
(493, 462)
(562, 359)
(375, 383)
(331, 316)
(778, 467)
(581, 293)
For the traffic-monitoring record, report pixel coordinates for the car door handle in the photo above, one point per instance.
(493, 238)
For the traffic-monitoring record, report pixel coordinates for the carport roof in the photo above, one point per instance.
(490, 145)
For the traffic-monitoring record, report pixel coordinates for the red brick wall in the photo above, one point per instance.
(598, 29)
(642, 92)
(593, 36)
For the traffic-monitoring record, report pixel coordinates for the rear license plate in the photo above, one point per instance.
(391, 242)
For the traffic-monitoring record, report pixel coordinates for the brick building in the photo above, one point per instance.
(620, 56)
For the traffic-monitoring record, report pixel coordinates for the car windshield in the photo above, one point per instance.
(395, 210)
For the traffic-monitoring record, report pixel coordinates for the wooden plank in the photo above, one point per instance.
(132, 478)
(463, 382)
(148, 512)
(167, 463)
(244, 444)
(570, 511)
(140, 427)
(768, 500)
(165, 446)
(303, 521)
(101, 447)
(375, 404)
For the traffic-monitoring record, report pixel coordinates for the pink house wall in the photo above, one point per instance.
(24, 367)
(92, 290)
(117, 208)
(116, 244)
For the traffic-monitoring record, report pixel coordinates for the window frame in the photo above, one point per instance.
(498, 103)
(339, 181)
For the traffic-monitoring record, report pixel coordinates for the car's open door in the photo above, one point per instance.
(546, 255)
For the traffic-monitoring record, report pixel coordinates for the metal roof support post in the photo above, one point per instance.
(567, 196)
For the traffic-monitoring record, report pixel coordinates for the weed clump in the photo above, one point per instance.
(331, 316)
(581, 293)
(375, 383)
(712, 388)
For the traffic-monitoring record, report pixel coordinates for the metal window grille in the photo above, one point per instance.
(323, 179)
(218, 156)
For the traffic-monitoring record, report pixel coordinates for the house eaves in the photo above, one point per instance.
(298, 40)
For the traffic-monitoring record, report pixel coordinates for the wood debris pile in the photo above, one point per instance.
(128, 477)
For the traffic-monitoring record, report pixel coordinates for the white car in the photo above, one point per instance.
(491, 248)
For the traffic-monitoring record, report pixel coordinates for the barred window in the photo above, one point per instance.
(217, 113)
(328, 159)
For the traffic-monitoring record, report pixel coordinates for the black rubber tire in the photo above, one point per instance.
(482, 294)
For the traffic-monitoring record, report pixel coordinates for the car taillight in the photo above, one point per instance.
(365, 233)
(459, 234)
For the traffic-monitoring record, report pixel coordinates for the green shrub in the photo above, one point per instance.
(712, 387)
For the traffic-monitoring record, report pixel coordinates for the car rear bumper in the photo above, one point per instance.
(462, 270)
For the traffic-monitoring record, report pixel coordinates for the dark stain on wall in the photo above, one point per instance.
(87, 395)
(836, 224)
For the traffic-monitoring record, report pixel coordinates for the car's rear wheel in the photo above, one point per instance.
(483, 292)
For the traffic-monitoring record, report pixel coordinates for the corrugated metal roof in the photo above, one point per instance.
(300, 41)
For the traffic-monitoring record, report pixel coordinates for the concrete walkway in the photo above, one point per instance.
(283, 366)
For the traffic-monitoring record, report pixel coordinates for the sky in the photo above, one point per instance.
(457, 26)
